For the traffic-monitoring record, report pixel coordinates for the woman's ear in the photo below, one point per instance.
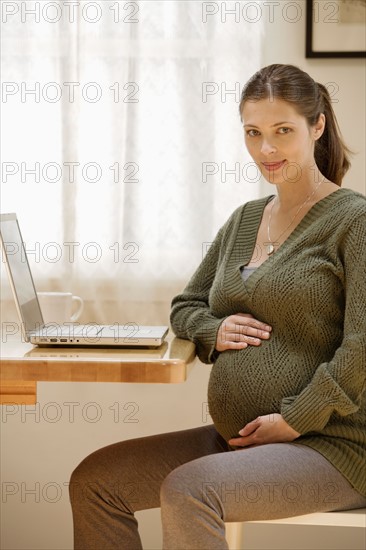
(319, 126)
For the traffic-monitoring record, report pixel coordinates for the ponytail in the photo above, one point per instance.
(331, 153)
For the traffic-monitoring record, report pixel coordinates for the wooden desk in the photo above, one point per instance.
(23, 365)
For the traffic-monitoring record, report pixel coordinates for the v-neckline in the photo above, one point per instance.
(262, 267)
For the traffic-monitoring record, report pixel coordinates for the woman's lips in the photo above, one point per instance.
(272, 166)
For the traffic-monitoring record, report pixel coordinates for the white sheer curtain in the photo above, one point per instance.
(122, 146)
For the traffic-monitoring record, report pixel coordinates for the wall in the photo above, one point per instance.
(39, 452)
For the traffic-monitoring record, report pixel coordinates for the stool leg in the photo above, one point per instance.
(233, 535)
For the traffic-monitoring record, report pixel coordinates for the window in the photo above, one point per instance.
(123, 151)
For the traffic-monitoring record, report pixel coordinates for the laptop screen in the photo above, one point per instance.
(14, 255)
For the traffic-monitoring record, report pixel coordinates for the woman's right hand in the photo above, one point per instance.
(240, 330)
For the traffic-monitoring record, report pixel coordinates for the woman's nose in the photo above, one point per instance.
(267, 148)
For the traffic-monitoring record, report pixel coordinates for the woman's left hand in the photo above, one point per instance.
(271, 428)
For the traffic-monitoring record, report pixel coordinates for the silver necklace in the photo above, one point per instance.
(270, 245)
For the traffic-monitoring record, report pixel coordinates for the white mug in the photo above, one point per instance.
(58, 307)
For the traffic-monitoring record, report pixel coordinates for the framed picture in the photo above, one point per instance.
(335, 28)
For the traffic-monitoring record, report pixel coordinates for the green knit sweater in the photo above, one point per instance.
(312, 292)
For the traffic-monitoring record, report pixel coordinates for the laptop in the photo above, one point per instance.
(36, 331)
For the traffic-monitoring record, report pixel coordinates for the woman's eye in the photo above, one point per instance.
(252, 133)
(284, 130)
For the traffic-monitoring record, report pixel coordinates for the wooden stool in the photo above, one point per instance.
(319, 531)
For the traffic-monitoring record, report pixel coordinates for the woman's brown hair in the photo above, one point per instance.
(310, 99)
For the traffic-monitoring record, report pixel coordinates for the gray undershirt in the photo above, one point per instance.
(246, 271)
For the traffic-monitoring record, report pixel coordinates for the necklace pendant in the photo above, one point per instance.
(270, 249)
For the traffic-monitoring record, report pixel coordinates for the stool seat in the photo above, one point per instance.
(319, 531)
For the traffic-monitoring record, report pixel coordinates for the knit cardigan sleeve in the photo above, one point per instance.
(190, 316)
(337, 386)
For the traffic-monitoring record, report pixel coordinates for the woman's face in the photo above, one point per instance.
(279, 139)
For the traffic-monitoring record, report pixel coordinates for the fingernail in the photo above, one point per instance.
(266, 334)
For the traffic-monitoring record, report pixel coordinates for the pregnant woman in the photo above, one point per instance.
(278, 305)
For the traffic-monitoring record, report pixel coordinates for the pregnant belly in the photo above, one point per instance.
(249, 383)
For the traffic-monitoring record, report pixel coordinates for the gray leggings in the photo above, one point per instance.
(200, 484)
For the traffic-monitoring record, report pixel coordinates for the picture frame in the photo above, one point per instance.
(335, 29)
